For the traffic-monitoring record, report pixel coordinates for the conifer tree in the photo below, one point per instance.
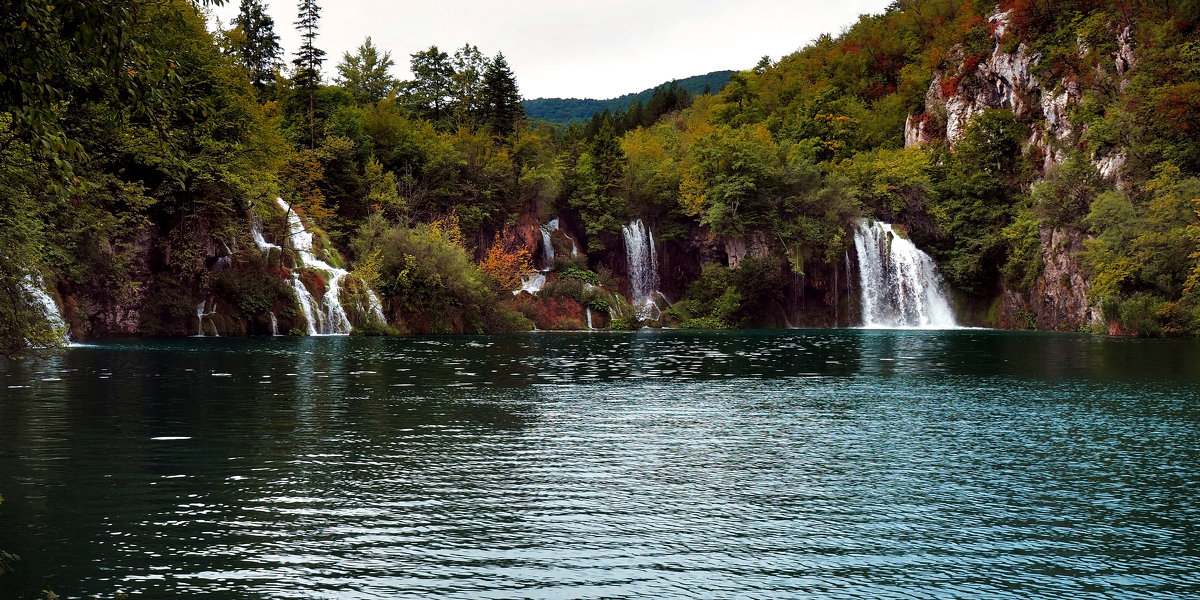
(502, 108)
(308, 60)
(260, 50)
(366, 75)
(430, 89)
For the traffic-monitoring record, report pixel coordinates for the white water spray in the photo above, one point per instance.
(642, 260)
(899, 284)
(547, 246)
(327, 317)
(35, 286)
(201, 314)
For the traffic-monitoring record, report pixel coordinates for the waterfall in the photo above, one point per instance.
(375, 306)
(532, 283)
(35, 286)
(899, 284)
(547, 246)
(589, 318)
(332, 319)
(642, 260)
(200, 314)
(261, 242)
(274, 324)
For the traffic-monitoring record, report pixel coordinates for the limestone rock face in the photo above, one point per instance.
(1008, 79)
(738, 249)
(1059, 300)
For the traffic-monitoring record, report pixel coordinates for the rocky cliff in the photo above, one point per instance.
(1009, 78)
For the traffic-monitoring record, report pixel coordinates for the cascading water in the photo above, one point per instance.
(36, 288)
(547, 246)
(642, 260)
(274, 324)
(332, 319)
(261, 242)
(899, 284)
(200, 314)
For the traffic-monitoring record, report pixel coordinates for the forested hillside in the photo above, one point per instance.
(567, 110)
(1045, 153)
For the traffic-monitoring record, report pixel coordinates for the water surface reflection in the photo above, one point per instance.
(658, 464)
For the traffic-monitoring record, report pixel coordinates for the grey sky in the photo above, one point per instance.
(561, 48)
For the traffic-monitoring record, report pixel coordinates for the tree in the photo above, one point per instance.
(259, 49)
(429, 91)
(308, 61)
(501, 105)
(466, 85)
(365, 74)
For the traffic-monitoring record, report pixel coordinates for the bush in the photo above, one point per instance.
(584, 275)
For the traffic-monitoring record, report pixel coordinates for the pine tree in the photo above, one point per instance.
(502, 108)
(365, 74)
(260, 50)
(429, 91)
(308, 61)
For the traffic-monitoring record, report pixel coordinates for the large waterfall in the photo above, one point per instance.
(900, 286)
(642, 260)
(327, 316)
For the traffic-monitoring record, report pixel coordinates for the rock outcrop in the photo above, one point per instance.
(1008, 78)
(1058, 301)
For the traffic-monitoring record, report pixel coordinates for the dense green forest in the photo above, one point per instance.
(1027, 147)
(567, 110)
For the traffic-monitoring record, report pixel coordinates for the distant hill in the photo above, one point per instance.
(565, 110)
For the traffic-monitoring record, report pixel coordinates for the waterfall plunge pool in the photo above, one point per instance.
(664, 464)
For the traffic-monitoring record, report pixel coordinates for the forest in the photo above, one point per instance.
(1045, 153)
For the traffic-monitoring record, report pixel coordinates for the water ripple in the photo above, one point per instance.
(859, 464)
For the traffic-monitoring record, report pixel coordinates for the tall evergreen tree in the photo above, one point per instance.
(502, 108)
(260, 50)
(429, 91)
(366, 75)
(308, 61)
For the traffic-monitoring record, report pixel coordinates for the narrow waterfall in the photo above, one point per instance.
(899, 284)
(200, 314)
(547, 246)
(35, 286)
(329, 319)
(588, 311)
(274, 324)
(642, 260)
(261, 242)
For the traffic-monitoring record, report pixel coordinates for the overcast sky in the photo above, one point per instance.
(562, 48)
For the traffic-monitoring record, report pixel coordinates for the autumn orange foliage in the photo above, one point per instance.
(507, 266)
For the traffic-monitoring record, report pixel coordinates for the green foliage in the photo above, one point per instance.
(709, 322)
(365, 74)
(1143, 253)
(597, 187)
(1066, 194)
(1024, 262)
(430, 278)
(584, 275)
(500, 108)
(977, 198)
(258, 44)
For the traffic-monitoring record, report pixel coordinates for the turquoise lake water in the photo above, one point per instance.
(661, 464)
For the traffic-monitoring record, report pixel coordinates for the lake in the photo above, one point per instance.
(658, 464)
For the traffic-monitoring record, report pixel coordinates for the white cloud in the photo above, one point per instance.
(575, 49)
